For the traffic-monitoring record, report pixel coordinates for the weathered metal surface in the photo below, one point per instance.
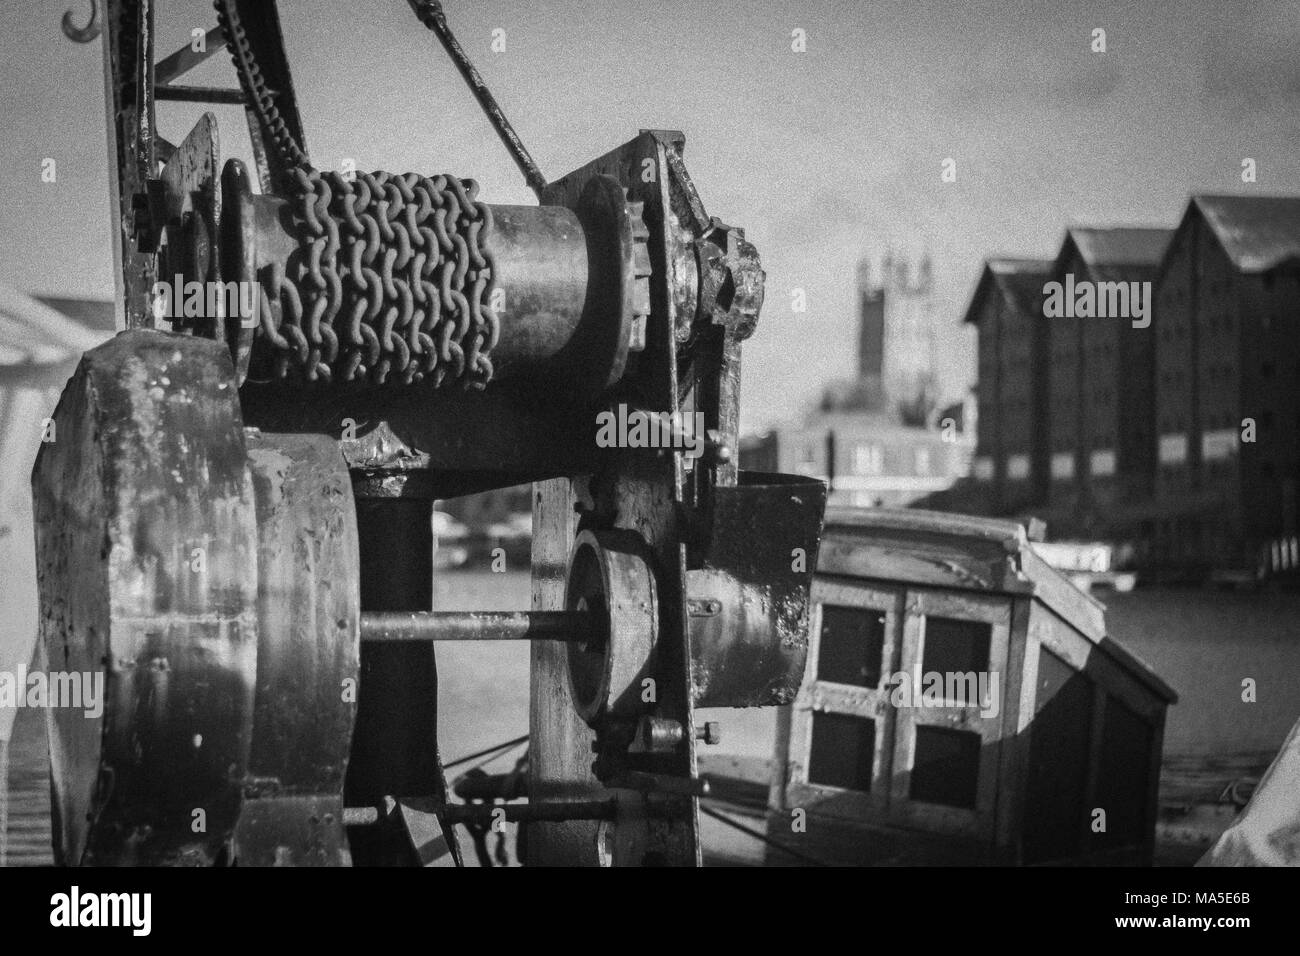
(459, 442)
(146, 547)
(636, 492)
(252, 30)
(82, 34)
(175, 65)
(749, 614)
(308, 664)
(186, 211)
(410, 279)
(128, 77)
(611, 581)
(395, 737)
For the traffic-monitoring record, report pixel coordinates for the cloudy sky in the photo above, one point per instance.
(824, 155)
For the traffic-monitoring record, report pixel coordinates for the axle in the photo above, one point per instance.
(383, 627)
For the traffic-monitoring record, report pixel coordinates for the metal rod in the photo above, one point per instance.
(199, 94)
(483, 753)
(432, 16)
(485, 813)
(177, 64)
(403, 626)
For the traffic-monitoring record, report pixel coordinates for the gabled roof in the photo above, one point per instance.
(1116, 252)
(1258, 233)
(1020, 282)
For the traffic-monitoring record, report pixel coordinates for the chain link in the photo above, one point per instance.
(392, 277)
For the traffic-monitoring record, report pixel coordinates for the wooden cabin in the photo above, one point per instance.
(963, 703)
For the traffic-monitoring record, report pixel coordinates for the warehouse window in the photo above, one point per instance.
(868, 459)
(922, 461)
(852, 645)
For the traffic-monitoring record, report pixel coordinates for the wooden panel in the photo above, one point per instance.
(912, 740)
(1123, 764)
(867, 703)
(559, 766)
(1059, 755)
(1083, 655)
(1022, 667)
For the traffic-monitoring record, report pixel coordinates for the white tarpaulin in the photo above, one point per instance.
(39, 349)
(1267, 833)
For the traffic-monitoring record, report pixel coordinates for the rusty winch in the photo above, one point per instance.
(234, 523)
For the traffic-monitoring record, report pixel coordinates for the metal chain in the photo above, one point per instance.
(392, 276)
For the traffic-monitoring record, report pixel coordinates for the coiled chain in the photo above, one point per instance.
(392, 277)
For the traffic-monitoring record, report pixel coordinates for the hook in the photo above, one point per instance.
(82, 34)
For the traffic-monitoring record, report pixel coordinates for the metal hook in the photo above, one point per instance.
(82, 34)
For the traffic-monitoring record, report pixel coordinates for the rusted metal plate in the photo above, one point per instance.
(146, 544)
(641, 493)
(309, 608)
(749, 603)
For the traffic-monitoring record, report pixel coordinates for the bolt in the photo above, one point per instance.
(710, 732)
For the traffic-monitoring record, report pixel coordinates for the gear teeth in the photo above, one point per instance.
(641, 271)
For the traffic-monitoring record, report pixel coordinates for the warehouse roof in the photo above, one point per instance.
(1019, 280)
(1121, 246)
(1258, 233)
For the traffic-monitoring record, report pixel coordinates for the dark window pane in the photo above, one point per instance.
(852, 645)
(946, 767)
(843, 751)
(956, 646)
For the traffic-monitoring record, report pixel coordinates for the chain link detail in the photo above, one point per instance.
(391, 280)
(392, 277)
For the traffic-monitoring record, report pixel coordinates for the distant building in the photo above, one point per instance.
(869, 459)
(1012, 442)
(1181, 438)
(1227, 349)
(871, 328)
(1101, 412)
(875, 439)
(896, 338)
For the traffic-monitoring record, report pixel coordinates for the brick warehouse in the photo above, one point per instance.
(1227, 310)
(1011, 435)
(1136, 434)
(1101, 412)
